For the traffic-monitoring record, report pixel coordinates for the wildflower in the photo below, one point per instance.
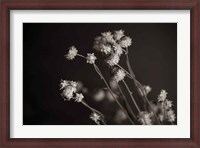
(125, 42)
(145, 118)
(69, 88)
(108, 37)
(68, 92)
(118, 34)
(71, 53)
(162, 96)
(106, 49)
(119, 76)
(113, 60)
(95, 117)
(97, 43)
(63, 83)
(147, 89)
(79, 97)
(170, 115)
(73, 84)
(91, 58)
(118, 49)
(168, 104)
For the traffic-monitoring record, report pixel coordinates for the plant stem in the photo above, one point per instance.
(139, 86)
(126, 102)
(130, 93)
(102, 77)
(129, 75)
(81, 56)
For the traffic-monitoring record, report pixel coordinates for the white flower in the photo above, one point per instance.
(118, 34)
(162, 96)
(147, 89)
(108, 37)
(79, 97)
(73, 84)
(170, 115)
(95, 117)
(118, 49)
(168, 104)
(98, 42)
(119, 76)
(125, 42)
(68, 92)
(69, 88)
(63, 83)
(113, 60)
(106, 49)
(145, 118)
(91, 58)
(71, 53)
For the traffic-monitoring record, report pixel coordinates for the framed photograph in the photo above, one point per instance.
(100, 73)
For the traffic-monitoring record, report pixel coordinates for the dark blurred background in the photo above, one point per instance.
(153, 56)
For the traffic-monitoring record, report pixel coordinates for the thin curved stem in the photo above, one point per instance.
(94, 110)
(129, 65)
(102, 77)
(81, 56)
(128, 74)
(139, 86)
(126, 102)
(130, 93)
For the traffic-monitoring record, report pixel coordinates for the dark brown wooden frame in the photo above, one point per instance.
(6, 6)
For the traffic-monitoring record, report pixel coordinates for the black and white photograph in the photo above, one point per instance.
(100, 74)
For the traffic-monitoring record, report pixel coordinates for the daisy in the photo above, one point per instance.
(71, 53)
(91, 58)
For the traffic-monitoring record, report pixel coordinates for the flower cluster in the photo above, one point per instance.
(145, 118)
(69, 89)
(165, 105)
(112, 45)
